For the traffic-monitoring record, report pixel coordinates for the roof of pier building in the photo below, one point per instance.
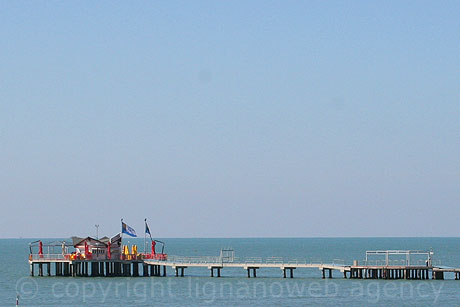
(103, 242)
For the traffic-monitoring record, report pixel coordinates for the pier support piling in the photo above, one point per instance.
(438, 275)
(67, 269)
(291, 272)
(254, 271)
(181, 271)
(217, 271)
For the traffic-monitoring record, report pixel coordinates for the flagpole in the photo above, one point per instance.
(121, 237)
(145, 236)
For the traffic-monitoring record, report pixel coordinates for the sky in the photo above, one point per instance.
(230, 118)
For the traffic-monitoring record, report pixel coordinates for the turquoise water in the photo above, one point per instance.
(234, 288)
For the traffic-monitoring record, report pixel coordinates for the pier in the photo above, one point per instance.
(157, 265)
(108, 257)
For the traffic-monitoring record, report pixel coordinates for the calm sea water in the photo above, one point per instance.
(234, 288)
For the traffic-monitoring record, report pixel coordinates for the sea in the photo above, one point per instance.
(234, 288)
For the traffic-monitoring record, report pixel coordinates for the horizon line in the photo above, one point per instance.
(268, 237)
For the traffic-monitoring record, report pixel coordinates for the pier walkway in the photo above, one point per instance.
(251, 264)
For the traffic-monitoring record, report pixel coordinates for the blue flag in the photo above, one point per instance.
(147, 229)
(128, 230)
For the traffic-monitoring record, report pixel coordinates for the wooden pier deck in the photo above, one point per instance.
(251, 265)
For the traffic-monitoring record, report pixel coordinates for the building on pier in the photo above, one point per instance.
(98, 249)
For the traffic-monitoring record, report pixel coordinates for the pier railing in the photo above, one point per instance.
(48, 257)
(73, 256)
(399, 262)
(250, 260)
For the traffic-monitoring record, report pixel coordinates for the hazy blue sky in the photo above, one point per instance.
(236, 118)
